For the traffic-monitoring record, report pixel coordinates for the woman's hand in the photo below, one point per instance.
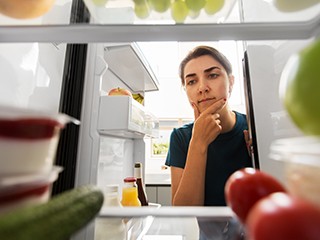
(207, 124)
(248, 142)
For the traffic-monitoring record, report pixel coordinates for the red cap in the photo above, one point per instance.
(130, 179)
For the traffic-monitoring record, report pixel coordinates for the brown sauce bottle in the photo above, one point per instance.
(140, 185)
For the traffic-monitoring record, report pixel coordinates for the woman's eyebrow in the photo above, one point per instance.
(205, 71)
(211, 68)
(190, 75)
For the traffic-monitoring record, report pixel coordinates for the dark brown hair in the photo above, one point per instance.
(201, 51)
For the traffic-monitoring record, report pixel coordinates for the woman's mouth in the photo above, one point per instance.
(205, 100)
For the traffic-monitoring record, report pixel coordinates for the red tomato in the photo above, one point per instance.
(245, 187)
(280, 216)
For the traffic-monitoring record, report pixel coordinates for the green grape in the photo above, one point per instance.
(142, 11)
(195, 5)
(213, 6)
(139, 2)
(179, 11)
(160, 5)
(100, 3)
(192, 14)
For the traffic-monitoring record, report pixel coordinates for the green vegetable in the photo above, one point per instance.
(57, 219)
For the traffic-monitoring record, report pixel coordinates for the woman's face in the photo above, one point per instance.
(206, 81)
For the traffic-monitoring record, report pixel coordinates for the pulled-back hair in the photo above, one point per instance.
(202, 51)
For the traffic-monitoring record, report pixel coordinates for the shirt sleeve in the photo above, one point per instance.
(177, 153)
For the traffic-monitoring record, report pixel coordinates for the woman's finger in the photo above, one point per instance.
(248, 141)
(196, 111)
(215, 106)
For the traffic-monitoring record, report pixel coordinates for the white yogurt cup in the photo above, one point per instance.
(29, 139)
(26, 190)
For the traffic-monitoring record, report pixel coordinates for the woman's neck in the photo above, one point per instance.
(228, 120)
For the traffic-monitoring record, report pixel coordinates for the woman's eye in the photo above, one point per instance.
(191, 82)
(213, 75)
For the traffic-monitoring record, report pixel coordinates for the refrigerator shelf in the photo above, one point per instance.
(217, 213)
(127, 62)
(238, 20)
(122, 116)
(161, 223)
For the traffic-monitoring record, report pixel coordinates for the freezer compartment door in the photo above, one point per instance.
(122, 116)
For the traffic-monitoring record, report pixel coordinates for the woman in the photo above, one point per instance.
(203, 154)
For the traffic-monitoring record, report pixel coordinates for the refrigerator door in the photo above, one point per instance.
(264, 62)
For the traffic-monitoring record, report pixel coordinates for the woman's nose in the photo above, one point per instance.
(203, 88)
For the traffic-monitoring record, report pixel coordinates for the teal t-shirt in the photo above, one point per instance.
(226, 154)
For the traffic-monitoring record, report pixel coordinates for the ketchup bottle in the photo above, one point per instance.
(140, 185)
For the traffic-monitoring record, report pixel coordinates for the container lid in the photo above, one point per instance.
(14, 183)
(112, 188)
(305, 150)
(130, 179)
(14, 113)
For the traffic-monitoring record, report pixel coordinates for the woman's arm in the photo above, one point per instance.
(188, 184)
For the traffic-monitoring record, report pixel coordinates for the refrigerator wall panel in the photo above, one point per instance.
(112, 128)
(30, 78)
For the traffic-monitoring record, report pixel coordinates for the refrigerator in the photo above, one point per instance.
(68, 59)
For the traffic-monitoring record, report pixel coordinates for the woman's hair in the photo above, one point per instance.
(201, 51)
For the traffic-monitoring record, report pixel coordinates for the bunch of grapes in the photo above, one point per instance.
(180, 9)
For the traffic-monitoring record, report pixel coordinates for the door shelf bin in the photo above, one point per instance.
(122, 116)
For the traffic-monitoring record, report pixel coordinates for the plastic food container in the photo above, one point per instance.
(301, 157)
(29, 139)
(26, 190)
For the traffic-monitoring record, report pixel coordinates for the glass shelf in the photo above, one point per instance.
(116, 22)
(161, 223)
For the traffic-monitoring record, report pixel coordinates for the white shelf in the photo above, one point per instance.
(94, 33)
(128, 64)
(218, 213)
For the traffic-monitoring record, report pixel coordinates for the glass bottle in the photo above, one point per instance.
(140, 185)
(110, 228)
(130, 193)
(111, 196)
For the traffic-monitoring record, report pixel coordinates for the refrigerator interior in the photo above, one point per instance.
(113, 128)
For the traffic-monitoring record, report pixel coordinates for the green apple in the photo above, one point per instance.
(300, 88)
(213, 6)
(179, 11)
